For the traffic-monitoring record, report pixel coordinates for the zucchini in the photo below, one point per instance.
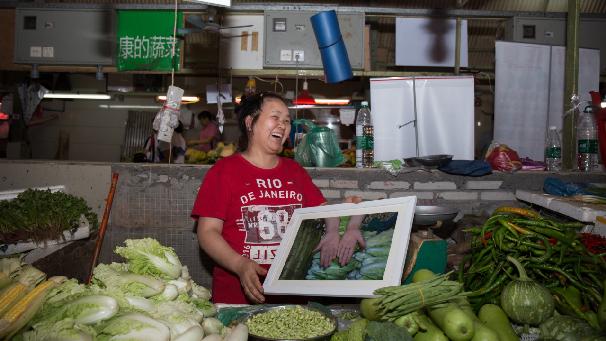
(495, 318)
(428, 331)
(455, 323)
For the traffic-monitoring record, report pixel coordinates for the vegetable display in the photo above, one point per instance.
(550, 251)
(150, 297)
(41, 215)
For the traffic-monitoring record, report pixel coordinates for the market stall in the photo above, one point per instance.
(524, 274)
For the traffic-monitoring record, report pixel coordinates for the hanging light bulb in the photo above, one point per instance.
(304, 97)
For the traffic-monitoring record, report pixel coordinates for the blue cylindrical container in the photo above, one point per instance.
(335, 60)
(326, 28)
(336, 63)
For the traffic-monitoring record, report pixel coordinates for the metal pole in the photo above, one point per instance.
(571, 80)
(458, 47)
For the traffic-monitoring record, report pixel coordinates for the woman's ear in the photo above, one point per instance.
(248, 122)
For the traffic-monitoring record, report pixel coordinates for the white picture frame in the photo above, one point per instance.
(404, 207)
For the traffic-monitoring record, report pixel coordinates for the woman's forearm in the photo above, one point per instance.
(213, 243)
(355, 221)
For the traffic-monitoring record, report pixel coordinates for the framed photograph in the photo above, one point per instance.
(385, 225)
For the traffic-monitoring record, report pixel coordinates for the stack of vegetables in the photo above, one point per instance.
(525, 270)
(150, 297)
(539, 271)
(431, 308)
(551, 252)
(41, 215)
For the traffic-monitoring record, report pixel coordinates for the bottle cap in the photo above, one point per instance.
(364, 103)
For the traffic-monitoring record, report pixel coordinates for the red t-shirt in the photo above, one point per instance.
(255, 205)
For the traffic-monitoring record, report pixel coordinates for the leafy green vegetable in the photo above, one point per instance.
(9, 268)
(42, 215)
(65, 330)
(357, 330)
(148, 257)
(133, 326)
(386, 331)
(110, 276)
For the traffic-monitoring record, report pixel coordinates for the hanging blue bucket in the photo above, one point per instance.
(335, 60)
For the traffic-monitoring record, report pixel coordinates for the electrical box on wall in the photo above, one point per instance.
(64, 36)
(290, 40)
(552, 31)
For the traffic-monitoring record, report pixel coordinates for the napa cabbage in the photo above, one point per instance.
(113, 278)
(133, 326)
(148, 257)
(64, 330)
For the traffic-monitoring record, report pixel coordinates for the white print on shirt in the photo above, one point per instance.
(264, 227)
(271, 189)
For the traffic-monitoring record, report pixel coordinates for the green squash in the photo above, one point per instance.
(526, 301)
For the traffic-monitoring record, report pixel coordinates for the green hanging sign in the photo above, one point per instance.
(145, 40)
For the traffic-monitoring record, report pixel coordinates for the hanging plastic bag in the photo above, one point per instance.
(319, 147)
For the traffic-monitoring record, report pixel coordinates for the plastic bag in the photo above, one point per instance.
(502, 158)
(319, 147)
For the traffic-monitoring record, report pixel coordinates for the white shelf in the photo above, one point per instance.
(587, 213)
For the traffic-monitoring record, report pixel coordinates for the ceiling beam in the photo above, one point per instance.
(263, 6)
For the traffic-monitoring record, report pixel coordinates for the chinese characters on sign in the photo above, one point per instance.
(145, 40)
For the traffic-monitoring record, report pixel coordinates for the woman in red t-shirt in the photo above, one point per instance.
(246, 200)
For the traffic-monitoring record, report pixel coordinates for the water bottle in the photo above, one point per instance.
(587, 142)
(553, 151)
(364, 138)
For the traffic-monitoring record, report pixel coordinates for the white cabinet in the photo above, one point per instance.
(418, 116)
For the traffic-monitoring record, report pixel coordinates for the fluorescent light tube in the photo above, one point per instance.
(76, 96)
(329, 101)
(129, 106)
(184, 99)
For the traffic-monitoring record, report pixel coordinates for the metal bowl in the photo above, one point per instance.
(431, 215)
(431, 161)
(326, 336)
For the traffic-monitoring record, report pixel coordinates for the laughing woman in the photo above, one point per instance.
(246, 200)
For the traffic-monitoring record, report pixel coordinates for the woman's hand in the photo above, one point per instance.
(347, 245)
(249, 272)
(353, 199)
(328, 247)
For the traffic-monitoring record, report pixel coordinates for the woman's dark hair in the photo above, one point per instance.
(205, 114)
(251, 106)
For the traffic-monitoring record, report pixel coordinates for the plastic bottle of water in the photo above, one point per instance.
(553, 151)
(587, 142)
(364, 138)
